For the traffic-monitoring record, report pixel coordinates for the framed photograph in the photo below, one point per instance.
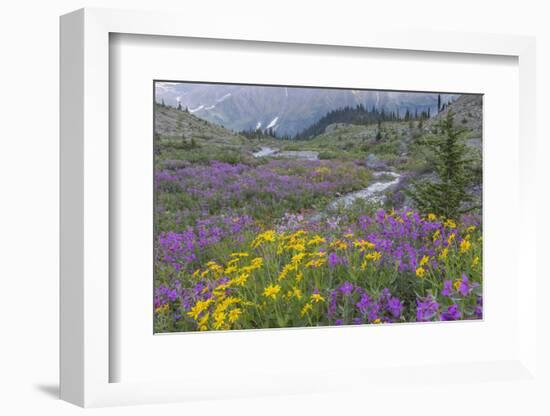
(289, 221)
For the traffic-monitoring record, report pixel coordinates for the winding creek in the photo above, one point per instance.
(374, 192)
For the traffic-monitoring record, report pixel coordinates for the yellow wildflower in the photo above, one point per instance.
(234, 314)
(443, 254)
(475, 261)
(286, 269)
(339, 244)
(271, 291)
(316, 297)
(240, 280)
(420, 272)
(348, 235)
(464, 246)
(196, 273)
(364, 265)
(374, 256)
(436, 235)
(377, 321)
(450, 223)
(239, 254)
(230, 269)
(162, 309)
(471, 229)
(203, 322)
(215, 267)
(307, 307)
(267, 236)
(424, 260)
(219, 290)
(316, 263)
(297, 258)
(432, 217)
(451, 238)
(457, 284)
(299, 276)
(219, 320)
(297, 293)
(316, 240)
(199, 307)
(363, 244)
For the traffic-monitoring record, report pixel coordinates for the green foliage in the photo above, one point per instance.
(447, 194)
(326, 155)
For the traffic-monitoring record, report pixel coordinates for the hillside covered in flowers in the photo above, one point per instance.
(252, 231)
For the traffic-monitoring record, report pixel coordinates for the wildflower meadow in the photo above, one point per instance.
(248, 242)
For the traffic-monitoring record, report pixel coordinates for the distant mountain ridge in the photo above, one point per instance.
(285, 110)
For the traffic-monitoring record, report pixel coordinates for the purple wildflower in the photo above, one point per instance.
(395, 307)
(447, 288)
(452, 313)
(426, 309)
(464, 287)
(346, 288)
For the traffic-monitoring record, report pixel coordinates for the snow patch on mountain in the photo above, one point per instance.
(225, 97)
(273, 122)
(194, 110)
(258, 125)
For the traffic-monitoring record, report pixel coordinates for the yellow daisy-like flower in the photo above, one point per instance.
(203, 322)
(199, 307)
(432, 217)
(457, 283)
(272, 291)
(377, 321)
(219, 320)
(374, 256)
(465, 246)
(450, 223)
(240, 280)
(267, 236)
(234, 314)
(230, 269)
(162, 309)
(420, 272)
(424, 260)
(307, 307)
(316, 297)
(316, 240)
(451, 238)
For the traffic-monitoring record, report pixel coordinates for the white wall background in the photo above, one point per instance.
(29, 182)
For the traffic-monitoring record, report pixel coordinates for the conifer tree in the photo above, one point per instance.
(379, 131)
(447, 194)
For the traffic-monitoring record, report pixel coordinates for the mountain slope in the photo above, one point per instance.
(287, 110)
(468, 113)
(170, 122)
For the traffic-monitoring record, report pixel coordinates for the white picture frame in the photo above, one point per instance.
(86, 356)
